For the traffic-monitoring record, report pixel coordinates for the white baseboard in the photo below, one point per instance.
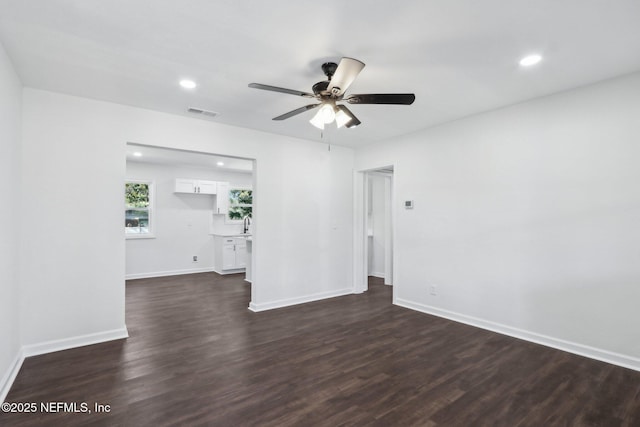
(10, 376)
(376, 274)
(299, 300)
(52, 346)
(167, 273)
(234, 271)
(618, 359)
(73, 342)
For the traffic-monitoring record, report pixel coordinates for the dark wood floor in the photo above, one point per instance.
(197, 356)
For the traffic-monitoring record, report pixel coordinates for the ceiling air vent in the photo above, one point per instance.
(200, 111)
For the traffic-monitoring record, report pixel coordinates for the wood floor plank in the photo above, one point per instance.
(197, 356)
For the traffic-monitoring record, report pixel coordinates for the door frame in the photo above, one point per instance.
(360, 237)
(256, 194)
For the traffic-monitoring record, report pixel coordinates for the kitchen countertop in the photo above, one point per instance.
(231, 234)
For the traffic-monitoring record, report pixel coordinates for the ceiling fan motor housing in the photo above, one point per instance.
(329, 69)
(320, 88)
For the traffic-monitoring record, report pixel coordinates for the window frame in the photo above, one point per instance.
(228, 220)
(150, 209)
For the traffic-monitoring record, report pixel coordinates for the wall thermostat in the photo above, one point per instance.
(408, 204)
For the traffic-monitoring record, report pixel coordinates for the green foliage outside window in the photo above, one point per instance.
(240, 197)
(240, 204)
(136, 214)
(239, 212)
(136, 195)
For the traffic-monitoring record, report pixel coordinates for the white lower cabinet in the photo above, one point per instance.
(241, 253)
(230, 254)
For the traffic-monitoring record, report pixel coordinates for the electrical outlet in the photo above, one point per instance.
(195, 258)
(433, 290)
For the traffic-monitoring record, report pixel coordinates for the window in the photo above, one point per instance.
(138, 209)
(240, 204)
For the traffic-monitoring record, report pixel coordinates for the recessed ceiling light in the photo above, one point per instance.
(530, 60)
(188, 84)
(137, 154)
(220, 163)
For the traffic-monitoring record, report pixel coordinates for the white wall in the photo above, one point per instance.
(73, 267)
(10, 128)
(526, 219)
(376, 225)
(182, 222)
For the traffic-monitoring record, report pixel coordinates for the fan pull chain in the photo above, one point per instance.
(322, 139)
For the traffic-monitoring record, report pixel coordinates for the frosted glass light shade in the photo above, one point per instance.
(342, 118)
(328, 115)
(318, 120)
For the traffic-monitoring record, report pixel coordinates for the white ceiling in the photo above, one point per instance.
(164, 156)
(459, 57)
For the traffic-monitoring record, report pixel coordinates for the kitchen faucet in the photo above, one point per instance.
(246, 222)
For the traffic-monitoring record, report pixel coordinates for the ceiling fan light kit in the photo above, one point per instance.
(328, 113)
(330, 91)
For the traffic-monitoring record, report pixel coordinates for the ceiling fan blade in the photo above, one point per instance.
(354, 120)
(297, 111)
(382, 98)
(281, 90)
(345, 74)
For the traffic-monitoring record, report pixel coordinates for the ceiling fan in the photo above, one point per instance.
(331, 91)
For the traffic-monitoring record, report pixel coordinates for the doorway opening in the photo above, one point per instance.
(188, 212)
(374, 231)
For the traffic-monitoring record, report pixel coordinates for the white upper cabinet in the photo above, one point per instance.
(207, 187)
(195, 186)
(185, 186)
(221, 204)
